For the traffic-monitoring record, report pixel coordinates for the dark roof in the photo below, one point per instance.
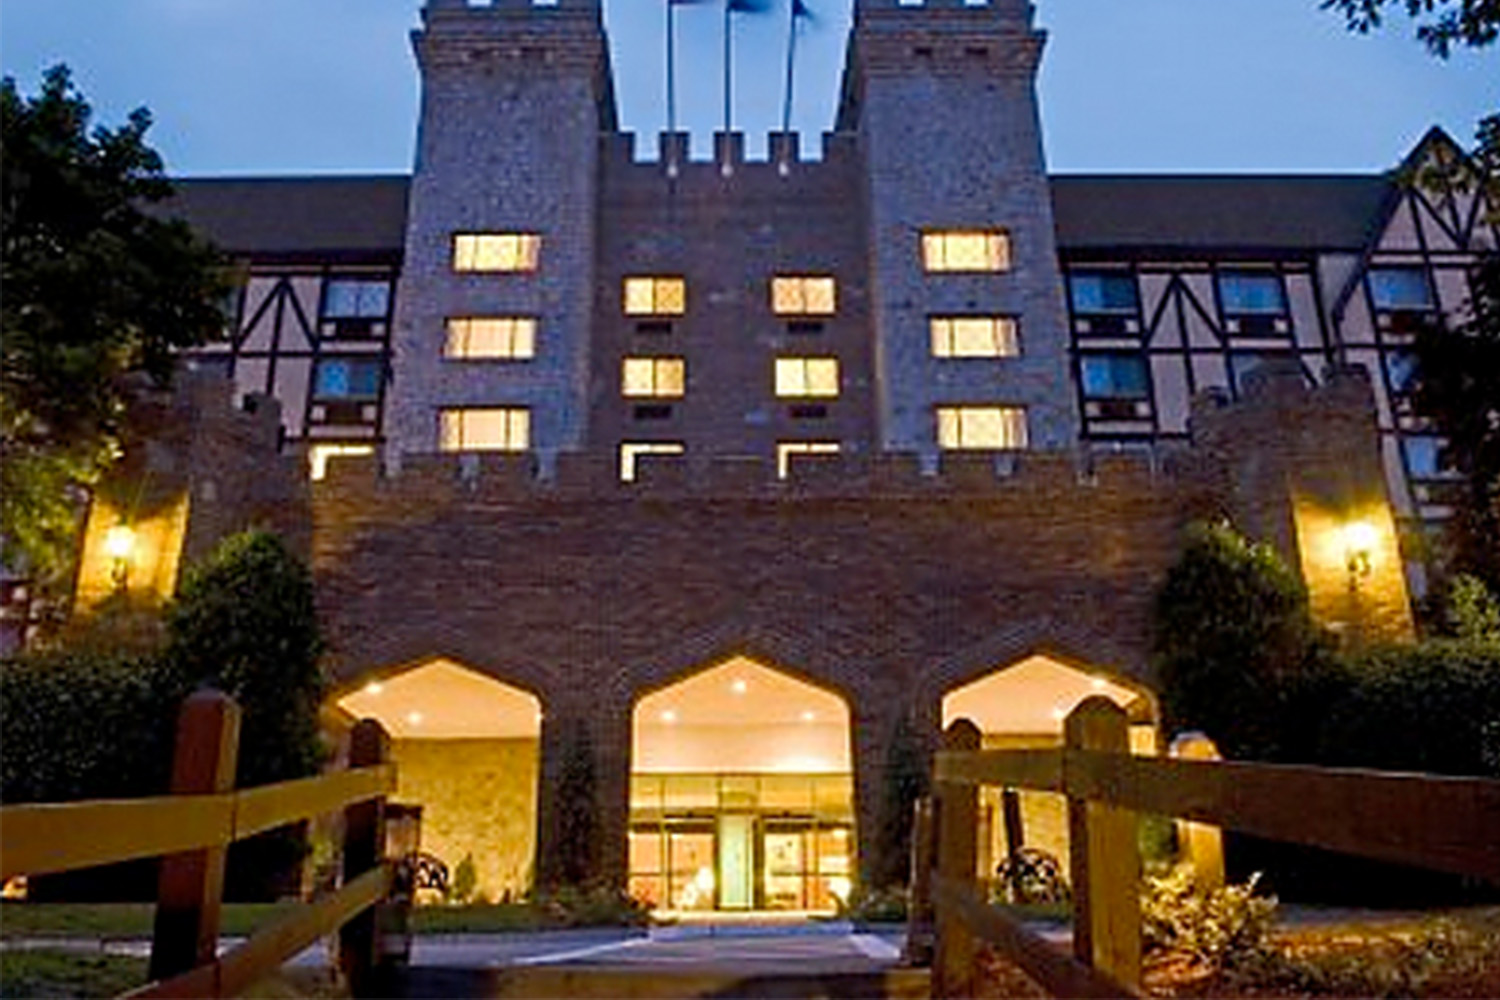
(309, 216)
(296, 216)
(1217, 212)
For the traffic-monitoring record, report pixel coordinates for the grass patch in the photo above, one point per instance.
(63, 974)
(120, 920)
(478, 918)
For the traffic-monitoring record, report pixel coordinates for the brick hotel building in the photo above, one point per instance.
(739, 478)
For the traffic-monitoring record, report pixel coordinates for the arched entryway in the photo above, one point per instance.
(741, 793)
(466, 750)
(1022, 706)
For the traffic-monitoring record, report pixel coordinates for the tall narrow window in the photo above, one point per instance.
(981, 428)
(499, 428)
(803, 295)
(631, 452)
(655, 296)
(803, 378)
(659, 378)
(496, 251)
(477, 338)
(974, 337)
(966, 250)
(786, 449)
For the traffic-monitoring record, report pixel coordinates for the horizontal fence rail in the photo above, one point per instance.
(53, 837)
(1448, 824)
(1431, 821)
(191, 831)
(234, 971)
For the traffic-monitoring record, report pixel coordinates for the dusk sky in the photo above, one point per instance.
(303, 86)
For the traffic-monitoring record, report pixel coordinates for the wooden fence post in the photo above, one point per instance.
(1202, 843)
(957, 813)
(1103, 851)
(364, 849)
(190, 885)
(919, 908)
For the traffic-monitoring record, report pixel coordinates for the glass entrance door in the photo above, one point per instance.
(736, 861)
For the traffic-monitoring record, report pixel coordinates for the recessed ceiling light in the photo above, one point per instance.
(1059, 713)
(1097, 684)
(374, 687)
(415, 718)
(738, 687)
(669, 716)
(808, 716)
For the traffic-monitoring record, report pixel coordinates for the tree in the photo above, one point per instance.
(96, 289)
(1457, 387)
(1442, 25)
(244, 622)
(1234, 644)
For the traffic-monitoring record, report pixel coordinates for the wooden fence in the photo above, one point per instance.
(191, 830)
(1441, 823)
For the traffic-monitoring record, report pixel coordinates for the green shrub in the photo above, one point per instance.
(465, 881)
(1232, 636)
(876, 906)
(593, 905)
(87, 724)
(1432, 706)
(1222, 928)
(244, 622)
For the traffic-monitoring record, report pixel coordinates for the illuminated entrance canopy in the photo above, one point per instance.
(741, 793)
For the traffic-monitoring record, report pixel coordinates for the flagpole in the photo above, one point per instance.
(728, 74)
(671, 72)
(791, 55)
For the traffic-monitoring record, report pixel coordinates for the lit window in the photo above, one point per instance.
(653, 296)
(966, 251)
(802, 295)
(661, 378)
(981, 428)
(1114, 376)
(1400, 289)
(356, 298)
(786, 449)
(496, 251)
(485, 429)
(319, 454)
(473, 338)
(807, 377)
(347, 378)
(1096, 293)
(974, 337)
(1249, 293)
(631, 451)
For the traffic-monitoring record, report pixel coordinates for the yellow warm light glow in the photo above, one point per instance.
(374, 687)
(738, 687)
(415, 718)
(669, 716)
(840, 886)
(119, 542)
(1360, 539)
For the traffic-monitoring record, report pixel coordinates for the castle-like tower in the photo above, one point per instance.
(942, 98)
(901, 294)
(501, 218)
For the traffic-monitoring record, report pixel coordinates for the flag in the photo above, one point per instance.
(672, 58)
(800, 12)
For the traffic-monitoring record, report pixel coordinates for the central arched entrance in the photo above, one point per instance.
(741, 793)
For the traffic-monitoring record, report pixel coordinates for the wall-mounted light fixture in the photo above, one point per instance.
(119, 546)
(1360, 539)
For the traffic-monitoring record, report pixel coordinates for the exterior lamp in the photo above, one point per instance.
(1360, 538)
(119, 546)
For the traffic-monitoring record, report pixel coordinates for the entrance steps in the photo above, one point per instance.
(646, 983)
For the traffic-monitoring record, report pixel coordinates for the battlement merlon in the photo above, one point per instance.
(618, 149)
(429, 479)
(530, 37)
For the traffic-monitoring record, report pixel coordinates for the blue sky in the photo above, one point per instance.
(300, 86)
